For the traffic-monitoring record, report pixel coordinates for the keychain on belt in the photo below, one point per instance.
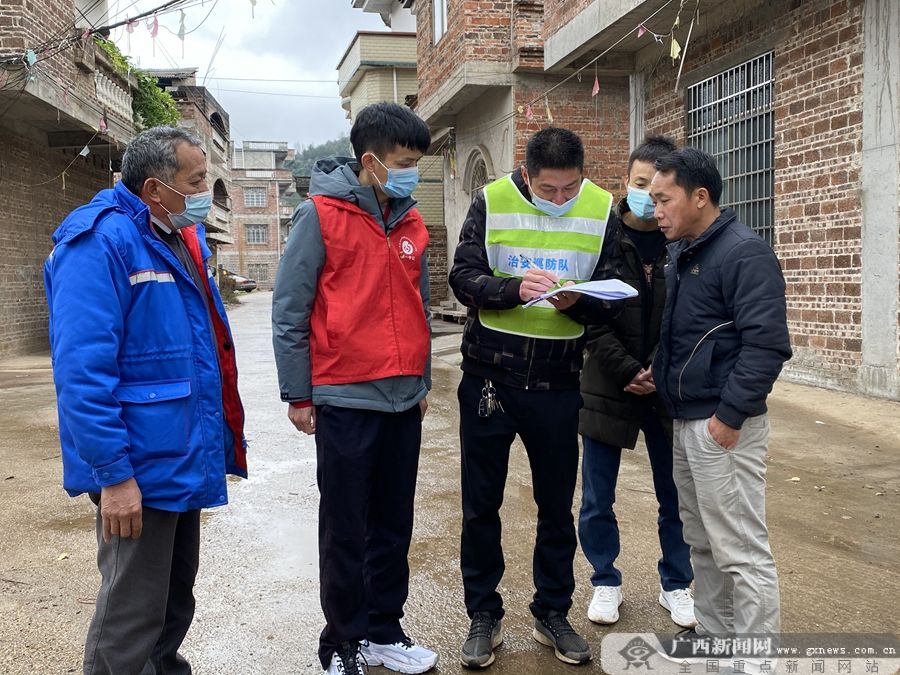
(489, 401)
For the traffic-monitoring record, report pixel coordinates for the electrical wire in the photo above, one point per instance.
(68, 166)
(275, 93)
(508, 116)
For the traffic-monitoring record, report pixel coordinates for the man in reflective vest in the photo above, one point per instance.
(525, 233)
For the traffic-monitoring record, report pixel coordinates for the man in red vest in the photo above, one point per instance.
(351, 333)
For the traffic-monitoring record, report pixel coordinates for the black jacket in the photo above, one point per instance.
(617, 351)
(522, 362)
(724, 332)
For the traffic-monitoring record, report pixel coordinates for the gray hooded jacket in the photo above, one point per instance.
(295, 292)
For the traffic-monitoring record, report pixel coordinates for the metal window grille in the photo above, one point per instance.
(479, 177)
(258, 271)
(257, 234)
(731, 116)
(254, 197)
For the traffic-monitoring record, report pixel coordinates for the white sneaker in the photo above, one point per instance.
(604, 607)
(347, 660)
(680, 604)
(401, 657)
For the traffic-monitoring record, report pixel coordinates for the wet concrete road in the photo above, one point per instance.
(258, 608)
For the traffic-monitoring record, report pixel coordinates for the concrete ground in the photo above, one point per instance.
(834, 492)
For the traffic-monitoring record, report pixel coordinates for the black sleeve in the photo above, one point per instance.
(471, 277)
(755, 292)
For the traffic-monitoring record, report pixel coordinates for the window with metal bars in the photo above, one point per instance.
(257, 234)
(258, 271)
(479, 176)
(255, 197)
(731, 116)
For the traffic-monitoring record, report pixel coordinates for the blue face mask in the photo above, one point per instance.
(552, 209)
(400, 182)
(641, 203)
(196, 208)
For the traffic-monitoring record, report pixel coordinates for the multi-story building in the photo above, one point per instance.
(260, 210)
(381, 66)
(796, 99)
(205, 117)
(65, 118)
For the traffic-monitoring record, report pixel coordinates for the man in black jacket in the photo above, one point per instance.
(620, 401)
(723, 343)
(524, 233)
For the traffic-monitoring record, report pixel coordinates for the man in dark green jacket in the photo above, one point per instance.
(620, 401)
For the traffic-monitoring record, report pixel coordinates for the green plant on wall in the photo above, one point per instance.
(154, 105)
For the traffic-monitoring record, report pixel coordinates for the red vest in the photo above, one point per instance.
(231, 400)
(368, 321)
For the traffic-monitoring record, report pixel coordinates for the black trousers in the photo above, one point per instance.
(146, 601)
(367, 466)
(547, 422)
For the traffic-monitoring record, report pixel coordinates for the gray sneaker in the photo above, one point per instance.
(555, 631)
(485, 635)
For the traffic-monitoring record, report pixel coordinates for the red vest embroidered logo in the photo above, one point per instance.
(407, 249)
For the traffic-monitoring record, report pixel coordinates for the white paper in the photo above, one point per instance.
(606, 289)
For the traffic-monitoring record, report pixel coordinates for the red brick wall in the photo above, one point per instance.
(28, 24)
(601, 121)
(438, 263)
(477, 30)
(29, 213)
(557, 13)
(237, 257)
(818, 140)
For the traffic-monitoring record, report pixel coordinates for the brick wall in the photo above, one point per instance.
(25, 230)
(477, 30)
(527, 40)
(601, 121)
(430, 197)
(557, 13)
(818, 140)
(31, 24)
(238, 257)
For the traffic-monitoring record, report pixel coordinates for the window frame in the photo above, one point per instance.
(731, 115)
(253, 271)
(256, 228)
(255, 190)
(438, 19)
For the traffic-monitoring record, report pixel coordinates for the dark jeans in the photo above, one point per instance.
(598, 529)
(367, 466)
(547, 422)
(146, 601)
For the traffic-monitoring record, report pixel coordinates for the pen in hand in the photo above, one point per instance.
(531, 262)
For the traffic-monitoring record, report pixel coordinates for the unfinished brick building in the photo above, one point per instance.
(799, 100)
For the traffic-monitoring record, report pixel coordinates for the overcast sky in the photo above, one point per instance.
(282, 39)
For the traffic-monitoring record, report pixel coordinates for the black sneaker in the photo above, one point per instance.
(485, 635)
(347, 660)
(555, 631)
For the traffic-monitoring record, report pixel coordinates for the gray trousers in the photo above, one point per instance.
(146, 601)
(722, 502)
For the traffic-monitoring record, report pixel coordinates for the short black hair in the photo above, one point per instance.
(554, 148)
(693, 169)
(651, 150)
(381, 127)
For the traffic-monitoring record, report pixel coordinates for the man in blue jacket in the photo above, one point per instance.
(150, 420)
(723, 343)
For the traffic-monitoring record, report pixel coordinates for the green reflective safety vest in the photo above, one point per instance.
(519, 236)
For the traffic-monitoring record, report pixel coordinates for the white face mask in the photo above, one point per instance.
(196, 208)
(549, 208)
